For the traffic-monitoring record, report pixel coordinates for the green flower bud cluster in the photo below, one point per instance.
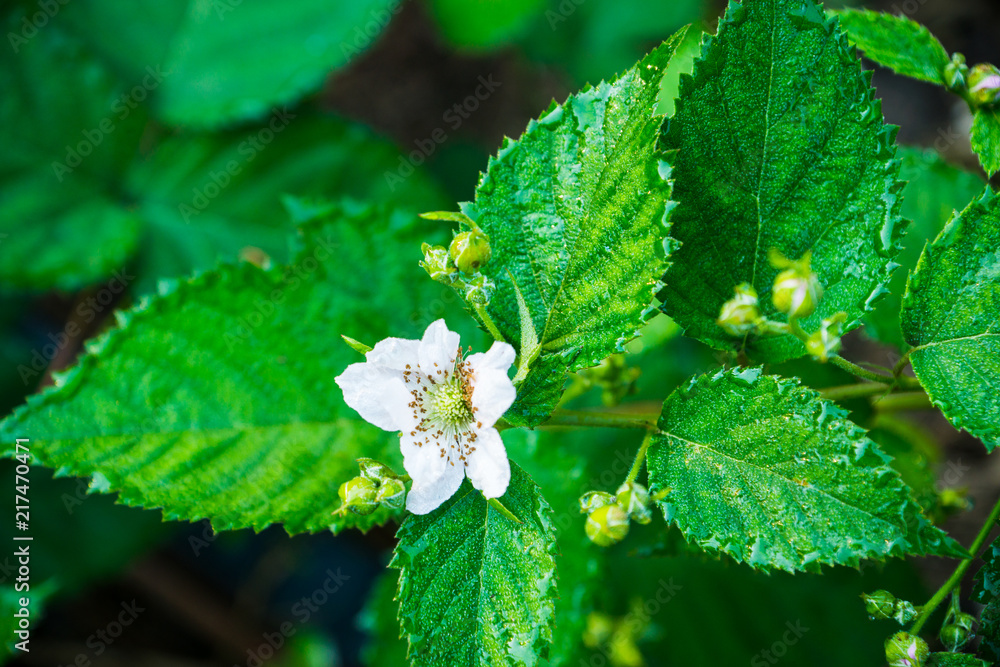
(617, 637)
(377, 486)
(956, 74)
(613, 376)
(883, 605)
(906, 650)
(460, 263)
(609, 516)
(796, 290)
(741, 314)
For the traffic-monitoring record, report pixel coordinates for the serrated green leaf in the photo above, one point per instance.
(951, 317)
(765, 471)
(205, 197)
(986, 138)
(216, 400)
(955, 660)
(476, 588)
(781, 145)
(934, 191)
(61, 223)
(896, 42)
(224, 61)
(576, 215)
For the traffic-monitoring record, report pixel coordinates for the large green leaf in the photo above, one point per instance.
(951, 317)
(223, 60)
(216, 400)
(204, 197)
(986, 138)
(897, 42)
(476, 588)
(576, 214)
(66, 138)
(765, 471)
(781, 144)
(934, 191)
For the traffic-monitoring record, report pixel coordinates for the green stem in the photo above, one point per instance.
(640, 458)
(860, 372)
(848, 391)
(897, 370)
(601, 419)
(797, 330)
(956, 576)
(488, 321)
(909, 400)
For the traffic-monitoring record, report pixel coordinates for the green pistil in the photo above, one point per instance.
(448, 404)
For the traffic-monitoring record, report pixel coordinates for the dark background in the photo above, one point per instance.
(208, 599)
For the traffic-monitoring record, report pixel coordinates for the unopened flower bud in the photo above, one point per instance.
(607, 525)
(956, 73)
(796, 290)
(906, 650)
(358, 495)
(880, 605)
(634, 499)
(984, 85)
(470, 251)
(391, 493)
(953, 636)
(826, 341)
(479, 290)
(741, 314)
(375, 471)
(437, 263)
(591, 500)
(964, 621)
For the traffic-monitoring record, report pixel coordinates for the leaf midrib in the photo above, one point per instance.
(779, 475)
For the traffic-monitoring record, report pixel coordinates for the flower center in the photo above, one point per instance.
(449, 403)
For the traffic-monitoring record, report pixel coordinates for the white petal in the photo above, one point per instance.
(395, 353)
(424, 498)
(438, 349)
(423, 463)
(492, 390)
(489, 469)
(377, 394)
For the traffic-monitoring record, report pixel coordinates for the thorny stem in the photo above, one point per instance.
(956, 576)
(640, 459)
(601, 419)
(858, 371)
